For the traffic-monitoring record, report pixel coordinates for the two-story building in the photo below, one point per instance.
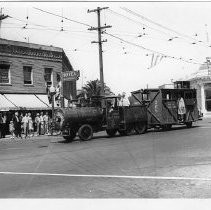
(25, 71)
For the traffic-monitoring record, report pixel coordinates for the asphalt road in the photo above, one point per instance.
(171, 164)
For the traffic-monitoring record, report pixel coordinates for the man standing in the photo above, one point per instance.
(123, 100)
(42, 124)
(4, 121)
(1, 125)
(46, 123)
(17, 125)
(25, 122)
(181, 108)
(37, 121)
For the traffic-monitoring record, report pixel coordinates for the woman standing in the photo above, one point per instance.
(25, 122)
(30, 125)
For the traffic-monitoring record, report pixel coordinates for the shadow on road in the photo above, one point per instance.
(103, 135)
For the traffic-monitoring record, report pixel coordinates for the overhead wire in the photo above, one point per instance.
(164, 27)
(137, 22)
(125, 41)
(153, 51)
(75, 21)
(145, 25)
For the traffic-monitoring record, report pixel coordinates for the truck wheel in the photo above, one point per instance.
(189, 124)
(140, 128)
(126, 132)
(166, 127)
(85, 132)
(123, 132)
(70, 137)
(111, 132)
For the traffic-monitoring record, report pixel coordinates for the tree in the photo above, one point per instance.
(93, 88)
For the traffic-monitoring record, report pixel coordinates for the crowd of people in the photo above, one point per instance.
(24, 125)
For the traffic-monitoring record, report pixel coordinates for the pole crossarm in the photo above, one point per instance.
(98, 28)
(2, 17)
(98, 9)
(95, 42)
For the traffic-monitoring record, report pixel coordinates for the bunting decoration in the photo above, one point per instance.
(155, 60)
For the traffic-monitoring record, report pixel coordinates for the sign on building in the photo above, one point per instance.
(70, 75)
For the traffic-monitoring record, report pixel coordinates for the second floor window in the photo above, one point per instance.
(4, 74)
(48, 76)
(27, 75)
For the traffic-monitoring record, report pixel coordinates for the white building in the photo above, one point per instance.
(201, 81)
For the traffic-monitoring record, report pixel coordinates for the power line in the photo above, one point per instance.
(75, 21)
(164, 27)
(128, 42)
(153, 51)
(137, 22)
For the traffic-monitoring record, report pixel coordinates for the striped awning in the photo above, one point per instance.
(24, 101)
(5, 104)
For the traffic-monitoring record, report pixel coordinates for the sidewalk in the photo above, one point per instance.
(28, 139)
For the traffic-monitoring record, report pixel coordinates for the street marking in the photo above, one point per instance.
(109, 176)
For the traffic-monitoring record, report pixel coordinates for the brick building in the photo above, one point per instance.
(26, 69)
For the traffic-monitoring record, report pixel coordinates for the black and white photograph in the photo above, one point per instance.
(105, 100)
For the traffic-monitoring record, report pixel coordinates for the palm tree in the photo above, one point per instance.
(93, 88)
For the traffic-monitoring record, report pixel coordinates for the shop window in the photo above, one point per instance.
(27, 75)
(48, 76)
(4, 74)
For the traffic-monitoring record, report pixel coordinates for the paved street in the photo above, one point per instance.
(171, 164)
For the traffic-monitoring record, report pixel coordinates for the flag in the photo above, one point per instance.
(156, 59)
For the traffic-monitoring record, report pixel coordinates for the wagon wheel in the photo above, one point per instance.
(122, 132)
(166, 127)
(125, 132)
(71, 136)
(111, 132)
(140, 128)
(85, 132)
(189, 124)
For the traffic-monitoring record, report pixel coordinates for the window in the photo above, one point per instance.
(4, 74)
(27, 75)
(48, 76)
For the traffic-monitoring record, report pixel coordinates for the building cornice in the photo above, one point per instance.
(29, 57)
(30, 52)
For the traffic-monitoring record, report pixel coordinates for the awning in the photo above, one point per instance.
(5, 104)
(28, 101)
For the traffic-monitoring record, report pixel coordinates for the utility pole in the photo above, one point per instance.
(2, 17)
(100, 41)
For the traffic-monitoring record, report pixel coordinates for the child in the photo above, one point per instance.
(12, 129)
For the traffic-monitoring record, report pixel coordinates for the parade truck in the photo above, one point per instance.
(110, 117)
(162, 106)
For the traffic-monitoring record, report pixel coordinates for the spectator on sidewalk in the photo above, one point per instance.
(17, 125)
(30, 121)
(12, 129)
(37, 121)
(42, 124)
(1, 122)
(25, 122)
(4, 121)
(46, 119)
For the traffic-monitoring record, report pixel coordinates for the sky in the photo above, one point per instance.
(174, 32)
